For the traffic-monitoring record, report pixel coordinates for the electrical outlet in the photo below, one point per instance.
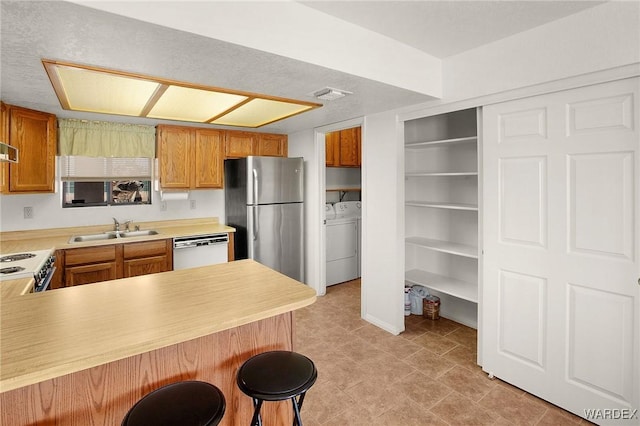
(28, 212)
(163, 206)
(193, 204)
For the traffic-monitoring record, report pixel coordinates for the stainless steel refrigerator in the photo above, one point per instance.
(264, 201)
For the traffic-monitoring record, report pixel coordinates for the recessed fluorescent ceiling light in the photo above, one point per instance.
(330, 94)
(92, 89)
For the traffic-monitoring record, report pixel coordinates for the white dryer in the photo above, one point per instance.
(343, 241)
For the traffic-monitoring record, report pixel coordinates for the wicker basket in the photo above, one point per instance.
(431, 307)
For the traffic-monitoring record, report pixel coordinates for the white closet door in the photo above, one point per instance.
(561, 293)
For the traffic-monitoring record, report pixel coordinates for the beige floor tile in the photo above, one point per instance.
(464, 357)
(429, 363)
(435, 343)
(367, 376)
(423, 390)
(513, 407)
(324, 400)
(459, 410)
(375, 397)
(465, 336)
(409, 413)
(473, 386)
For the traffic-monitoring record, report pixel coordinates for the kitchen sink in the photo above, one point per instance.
(112, 235)
(138, 233)
(92, 237)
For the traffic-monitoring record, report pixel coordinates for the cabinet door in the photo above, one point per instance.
(145, 265)
(87, 274)
(272, 145)
(209, 158)
(34, 134)
(174, 154)
(332, 149)
(350, 147)
(4, 137)
(239, 144)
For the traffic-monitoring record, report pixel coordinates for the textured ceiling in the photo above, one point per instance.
(70, 32)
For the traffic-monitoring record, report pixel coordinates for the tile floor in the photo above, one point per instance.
(425, 376)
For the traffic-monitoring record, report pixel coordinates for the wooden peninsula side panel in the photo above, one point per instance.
(102, 395)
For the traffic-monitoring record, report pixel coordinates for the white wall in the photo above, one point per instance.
(48, 211)
(383, 221)
(595, 39)
(301, 144)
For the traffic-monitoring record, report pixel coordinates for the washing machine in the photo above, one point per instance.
(343, 241)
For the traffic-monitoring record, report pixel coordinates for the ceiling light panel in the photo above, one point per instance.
(259, 112)
(92, 89)
(87, 90)
(187, 104)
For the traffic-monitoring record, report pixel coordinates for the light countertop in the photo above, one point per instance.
(49, 334)
(58, 238)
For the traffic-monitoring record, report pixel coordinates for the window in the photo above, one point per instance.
(101, 181)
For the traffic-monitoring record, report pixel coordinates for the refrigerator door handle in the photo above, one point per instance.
(255, 186)
(254, 228)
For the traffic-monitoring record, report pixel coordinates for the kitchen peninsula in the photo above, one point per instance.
(84, 355)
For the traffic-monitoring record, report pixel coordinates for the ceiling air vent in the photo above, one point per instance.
(330, 94)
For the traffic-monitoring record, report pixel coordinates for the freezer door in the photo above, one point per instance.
(275, 237)
(273, 180)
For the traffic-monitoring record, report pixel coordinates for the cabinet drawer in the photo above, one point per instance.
(145, 249)
(81, 256)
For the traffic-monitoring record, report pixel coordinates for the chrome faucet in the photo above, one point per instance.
(126, 225)
(116, 225)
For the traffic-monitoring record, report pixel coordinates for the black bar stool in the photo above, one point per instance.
(188, 403)
(277, 376)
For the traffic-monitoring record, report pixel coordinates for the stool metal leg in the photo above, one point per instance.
(257, 419)
(297, 421)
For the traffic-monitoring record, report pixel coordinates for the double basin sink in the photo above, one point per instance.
(111, 235)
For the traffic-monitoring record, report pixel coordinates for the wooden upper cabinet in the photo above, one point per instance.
(343, 148)
(4, 137)
(174, 151)
(271, 145)
(190, 158)
(34, 134)
(209, 158)
(332, 149)
(240, 144)
(350, 147)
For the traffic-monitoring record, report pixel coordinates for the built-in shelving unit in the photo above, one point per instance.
(442, 210)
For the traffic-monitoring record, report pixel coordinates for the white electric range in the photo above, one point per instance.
(36, 264)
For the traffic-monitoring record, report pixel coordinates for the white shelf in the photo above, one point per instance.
(457, 249)
(344, 189)
(427, 174)
(431, 144)
(442, 205)
(454, 287)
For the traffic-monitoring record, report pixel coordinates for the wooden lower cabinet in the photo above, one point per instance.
(86, 265)
(147, 257)
(92, 273)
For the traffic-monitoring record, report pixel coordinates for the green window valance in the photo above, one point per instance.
(105, 139)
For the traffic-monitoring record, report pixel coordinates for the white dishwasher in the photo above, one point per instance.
(200, 250)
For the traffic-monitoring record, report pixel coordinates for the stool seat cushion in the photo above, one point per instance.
(181, 403)
(276, 375)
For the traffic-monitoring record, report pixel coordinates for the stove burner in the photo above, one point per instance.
(18, 256)
(11, 270)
